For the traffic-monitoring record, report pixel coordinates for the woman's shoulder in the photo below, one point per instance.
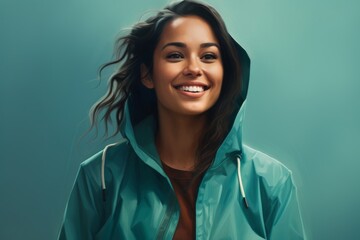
(271, 171)
(114, 155)
(109, 151)
(276, 195)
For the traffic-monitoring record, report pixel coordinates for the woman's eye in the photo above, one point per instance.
(174, 56)
(209, 57)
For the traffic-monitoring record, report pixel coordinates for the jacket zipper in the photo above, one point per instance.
(164, 226)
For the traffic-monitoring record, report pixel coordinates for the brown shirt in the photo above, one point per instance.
(186, 195)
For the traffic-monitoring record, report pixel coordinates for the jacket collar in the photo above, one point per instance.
(142, 139)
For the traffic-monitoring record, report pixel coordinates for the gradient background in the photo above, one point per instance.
(303, 103)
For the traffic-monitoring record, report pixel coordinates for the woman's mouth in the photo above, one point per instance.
(192, 89)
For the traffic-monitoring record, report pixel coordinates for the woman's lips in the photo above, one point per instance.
(192, 87)
(193, 91)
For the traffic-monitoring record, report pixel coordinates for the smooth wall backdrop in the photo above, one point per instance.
(303, 104)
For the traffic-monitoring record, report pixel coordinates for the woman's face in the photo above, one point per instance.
(187, 68)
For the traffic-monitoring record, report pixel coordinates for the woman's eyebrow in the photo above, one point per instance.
(176, 44)
(209, 44)
(183, 45)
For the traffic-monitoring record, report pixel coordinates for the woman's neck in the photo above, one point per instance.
(178, 138)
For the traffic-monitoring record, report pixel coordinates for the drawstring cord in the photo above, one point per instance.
(103, 186)
(240, 181)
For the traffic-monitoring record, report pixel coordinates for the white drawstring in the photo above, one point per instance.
(103, 186)
(240, 182)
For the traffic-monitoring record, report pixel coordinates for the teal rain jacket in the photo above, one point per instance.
(140, 202)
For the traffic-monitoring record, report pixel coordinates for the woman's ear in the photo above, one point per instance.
(145, 77)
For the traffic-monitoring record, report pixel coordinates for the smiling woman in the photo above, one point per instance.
(187, 71)
(181, 170)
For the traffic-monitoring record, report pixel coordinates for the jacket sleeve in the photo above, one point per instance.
(82, 215)
(284, 220)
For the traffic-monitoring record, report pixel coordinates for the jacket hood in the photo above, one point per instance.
(245, 68)
(139, 127)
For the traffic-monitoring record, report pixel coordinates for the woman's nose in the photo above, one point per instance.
(193, 68)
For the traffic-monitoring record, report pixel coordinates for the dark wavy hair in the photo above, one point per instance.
(137, 48)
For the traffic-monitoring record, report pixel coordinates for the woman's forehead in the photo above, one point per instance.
(187, 29)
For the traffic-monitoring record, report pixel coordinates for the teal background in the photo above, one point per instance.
(303, 103)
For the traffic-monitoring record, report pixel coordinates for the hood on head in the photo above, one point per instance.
(245, 68)
(233, 141)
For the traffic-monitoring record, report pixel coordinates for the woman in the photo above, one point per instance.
(181, 170)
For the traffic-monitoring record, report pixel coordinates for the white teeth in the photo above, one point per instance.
(191, 88)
